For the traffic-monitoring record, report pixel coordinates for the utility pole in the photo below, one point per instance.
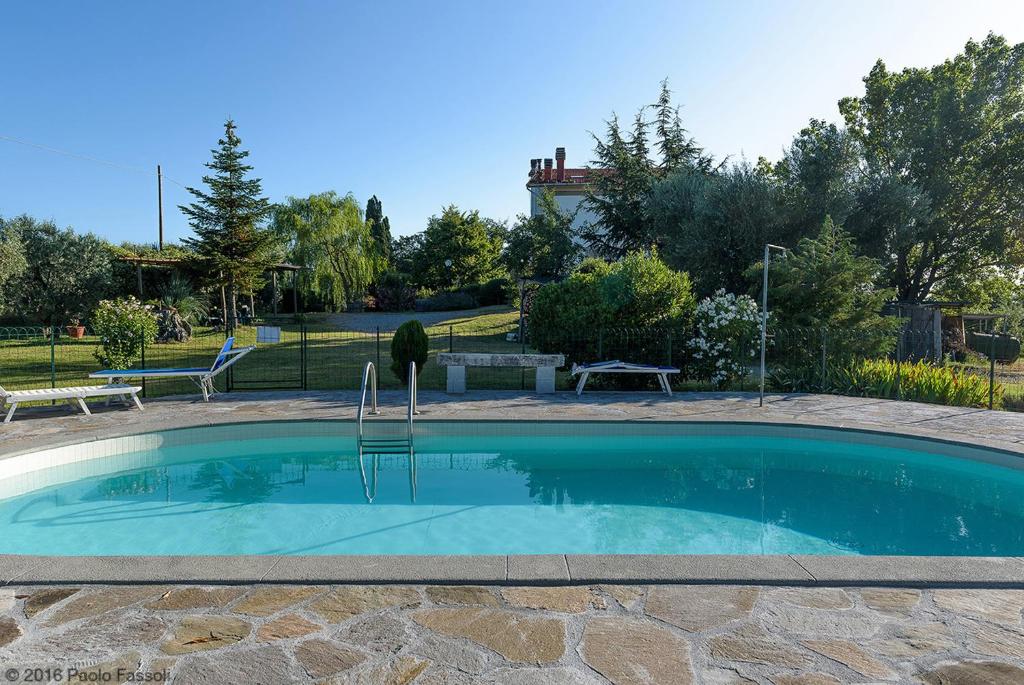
(160, 204)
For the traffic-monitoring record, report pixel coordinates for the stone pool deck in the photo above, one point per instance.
(38, 427)
(456, 635)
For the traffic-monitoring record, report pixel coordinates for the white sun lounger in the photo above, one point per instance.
(72, 395)
(616, 366)
(201, 377)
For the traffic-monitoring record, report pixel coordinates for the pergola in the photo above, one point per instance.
(174, 262)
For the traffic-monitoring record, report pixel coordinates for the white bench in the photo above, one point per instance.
(456, 362)
(615, 366)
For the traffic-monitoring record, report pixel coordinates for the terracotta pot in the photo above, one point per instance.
(76, 331)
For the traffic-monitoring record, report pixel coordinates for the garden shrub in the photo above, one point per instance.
(123, 326)
(496, 291)
(918, 382)
(726, 341)
(626, 309)
(409, 344)
(395, 292)
(447, 302)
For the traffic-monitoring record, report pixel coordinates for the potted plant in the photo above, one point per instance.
(75, 328)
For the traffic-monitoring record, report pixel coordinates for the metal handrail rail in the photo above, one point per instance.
(369, 373)
(411, 409)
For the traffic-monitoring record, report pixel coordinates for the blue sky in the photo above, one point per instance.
(421, 103)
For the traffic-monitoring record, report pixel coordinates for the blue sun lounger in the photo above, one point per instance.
(616, 366)
(201, 377)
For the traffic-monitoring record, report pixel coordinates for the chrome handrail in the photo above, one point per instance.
(411, 409)
(369, 373)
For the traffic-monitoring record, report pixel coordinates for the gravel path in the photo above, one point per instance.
(389, 321)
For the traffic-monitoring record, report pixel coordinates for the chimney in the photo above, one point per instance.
(547, 170)
(560, 158)
(534, 167)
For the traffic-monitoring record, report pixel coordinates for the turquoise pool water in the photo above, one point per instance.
(524, 488)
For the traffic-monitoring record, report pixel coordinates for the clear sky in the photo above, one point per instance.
(421, 103)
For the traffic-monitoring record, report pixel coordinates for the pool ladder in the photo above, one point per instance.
(385, 445)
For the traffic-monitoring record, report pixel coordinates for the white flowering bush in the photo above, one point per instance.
(725, 342)
(123, 326)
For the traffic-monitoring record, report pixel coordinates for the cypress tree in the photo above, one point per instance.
(230, 246)
(380, 229)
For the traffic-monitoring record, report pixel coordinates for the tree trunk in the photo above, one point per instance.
(234, 304)
(223, 307)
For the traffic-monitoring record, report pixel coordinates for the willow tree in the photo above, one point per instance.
(332, 240)
(231, 246)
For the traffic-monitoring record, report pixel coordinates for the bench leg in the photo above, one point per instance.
(582, 383)
(84, 406)
(545, 380)
(10, 412)
(456, 380)
(663, 381)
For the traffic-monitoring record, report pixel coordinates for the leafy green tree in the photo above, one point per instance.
(12, 262)
(943, 146)
(626, 170)
(715, 225)
(472, 243)
(543, 246)
(380, 229)
(330, 238)
(65, 274)
(231, 246)
(819, 175)
(822, 285)
(406, 251)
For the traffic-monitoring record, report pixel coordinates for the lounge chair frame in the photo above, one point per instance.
(75, 396)
(203, 378)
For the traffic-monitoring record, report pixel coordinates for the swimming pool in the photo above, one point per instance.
(300, 488)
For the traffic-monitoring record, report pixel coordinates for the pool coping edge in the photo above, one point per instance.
(544, 569)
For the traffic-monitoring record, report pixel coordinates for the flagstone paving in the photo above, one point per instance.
(718, 635)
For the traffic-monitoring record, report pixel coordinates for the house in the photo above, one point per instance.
(569, 185)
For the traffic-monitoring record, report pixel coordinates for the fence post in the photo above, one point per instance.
(991, 367)
(304, 357)
(142, 354)
(824, 359)
(451, 339)
(53, 358)
(378, 349)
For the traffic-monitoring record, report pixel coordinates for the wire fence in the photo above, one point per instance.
(310, 357)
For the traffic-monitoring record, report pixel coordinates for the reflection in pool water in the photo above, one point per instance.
(522, 494)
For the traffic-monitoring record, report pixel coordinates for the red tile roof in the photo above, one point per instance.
(570, 176)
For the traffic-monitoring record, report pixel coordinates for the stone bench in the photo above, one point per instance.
(458, 361)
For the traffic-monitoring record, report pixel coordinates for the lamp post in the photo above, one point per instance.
(768, 247)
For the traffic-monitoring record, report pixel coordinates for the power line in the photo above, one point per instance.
(75, 155)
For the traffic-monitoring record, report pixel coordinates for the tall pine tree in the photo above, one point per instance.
(380, 229)
(231, 246)
(628, 168)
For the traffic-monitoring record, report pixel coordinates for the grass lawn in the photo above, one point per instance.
(334, 359)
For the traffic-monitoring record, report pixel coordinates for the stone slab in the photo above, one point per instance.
(537, 568)
(389, 569)
(666, 568)
(911, 571)
(142, 569)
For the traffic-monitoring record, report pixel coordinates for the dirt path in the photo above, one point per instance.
(389, 321)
